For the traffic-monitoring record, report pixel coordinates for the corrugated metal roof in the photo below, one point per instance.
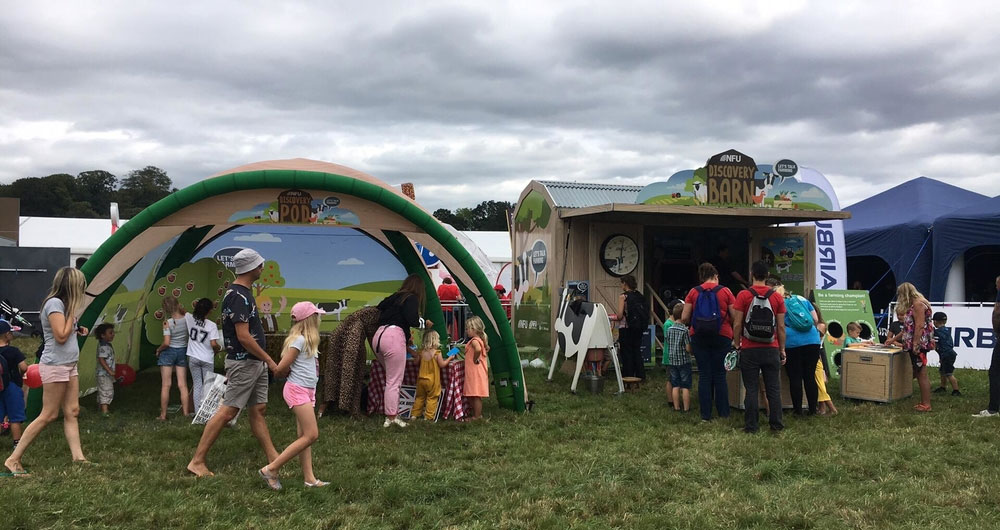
(583, 194)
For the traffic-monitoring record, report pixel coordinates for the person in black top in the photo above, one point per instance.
(398, 312)
(247, 364)
(630, 337)
(727, 276)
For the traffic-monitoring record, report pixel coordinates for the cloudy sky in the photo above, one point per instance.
(470, 101)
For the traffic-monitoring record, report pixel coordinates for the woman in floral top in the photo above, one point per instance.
(917, 337)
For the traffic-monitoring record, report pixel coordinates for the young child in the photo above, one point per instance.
(946, 353)
(105, 366)
(670, 319)
(171, 356)
(429, 377)
(854, 335)
(11, 397)
(680, 360)
(477, 379)
(299, 361)
(825, 402)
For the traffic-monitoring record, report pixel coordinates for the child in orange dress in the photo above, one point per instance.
(477, 379)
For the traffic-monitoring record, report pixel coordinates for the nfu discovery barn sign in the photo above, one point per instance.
(731, 178)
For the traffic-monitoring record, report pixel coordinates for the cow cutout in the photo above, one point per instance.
(580, 326)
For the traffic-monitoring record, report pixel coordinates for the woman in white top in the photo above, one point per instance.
(171, 356)
(203, 343)
(57, 366)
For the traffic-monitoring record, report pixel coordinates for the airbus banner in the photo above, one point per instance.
(831, 251)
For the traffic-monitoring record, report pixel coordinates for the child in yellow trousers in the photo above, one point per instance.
(429, 377)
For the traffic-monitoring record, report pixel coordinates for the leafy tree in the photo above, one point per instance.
(269, 277)
(487, 215)
(142, 187)
(445, 216)
(98, 189)
(492, 215)
(51, 196)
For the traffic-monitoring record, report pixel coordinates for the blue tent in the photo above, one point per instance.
(895, 225)
(958, 231)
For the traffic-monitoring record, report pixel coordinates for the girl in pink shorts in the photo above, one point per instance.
(299, 362)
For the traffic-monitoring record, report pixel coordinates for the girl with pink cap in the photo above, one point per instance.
(299, 361)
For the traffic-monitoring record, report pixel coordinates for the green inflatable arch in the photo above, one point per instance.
(200, 212)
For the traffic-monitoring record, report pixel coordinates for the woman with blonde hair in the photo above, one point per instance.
(917, 337)
(58, 365)
(171, 356)
(299, 360)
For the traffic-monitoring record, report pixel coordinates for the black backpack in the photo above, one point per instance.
(759, 325)
(636, 314)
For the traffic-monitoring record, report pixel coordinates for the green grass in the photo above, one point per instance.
(575, 461)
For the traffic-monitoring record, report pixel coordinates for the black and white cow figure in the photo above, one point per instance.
(580, 326)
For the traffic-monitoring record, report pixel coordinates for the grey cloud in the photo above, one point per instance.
(440, 94)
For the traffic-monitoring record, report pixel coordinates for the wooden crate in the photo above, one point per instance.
(737, 392)
(876, 374)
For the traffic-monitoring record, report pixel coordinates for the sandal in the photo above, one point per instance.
(922, 408)
(18, 471)
(271, 480)
(318, 484)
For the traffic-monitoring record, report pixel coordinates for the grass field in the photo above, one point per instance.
(575, 461)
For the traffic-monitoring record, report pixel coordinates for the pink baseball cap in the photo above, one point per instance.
(304, 310)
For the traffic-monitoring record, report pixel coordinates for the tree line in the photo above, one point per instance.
(488, 215)
(89, 194)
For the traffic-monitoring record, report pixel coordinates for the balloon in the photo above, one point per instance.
(124, 374)
(32, 377)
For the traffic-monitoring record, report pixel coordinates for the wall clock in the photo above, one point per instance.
(619, 255)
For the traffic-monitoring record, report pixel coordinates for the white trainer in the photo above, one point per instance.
(985, 413)
(387, 422)
(399, 422)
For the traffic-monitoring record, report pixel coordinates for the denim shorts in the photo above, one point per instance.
(680, 376)
(172, 357)
(947, 364)
(12, 403)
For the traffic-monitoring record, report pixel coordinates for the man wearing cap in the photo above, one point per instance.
(246, 363)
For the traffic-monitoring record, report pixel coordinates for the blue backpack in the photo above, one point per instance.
(797, 315)
(707, 318)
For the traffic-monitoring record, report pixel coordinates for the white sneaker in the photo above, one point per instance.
(399, 422)
(985, 413)
(387, 422)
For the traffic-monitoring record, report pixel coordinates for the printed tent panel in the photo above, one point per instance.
(300, 191)
(895, 226)
(961, 230)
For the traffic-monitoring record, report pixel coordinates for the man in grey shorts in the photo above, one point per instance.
(246, 363)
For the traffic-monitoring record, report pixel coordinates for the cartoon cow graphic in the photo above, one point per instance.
(335, 307)
(762, 187)
(784, 266)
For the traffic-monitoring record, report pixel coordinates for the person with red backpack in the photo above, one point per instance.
(759, 331)
(708, 314)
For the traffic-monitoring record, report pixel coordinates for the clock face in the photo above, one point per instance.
(619, 255)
